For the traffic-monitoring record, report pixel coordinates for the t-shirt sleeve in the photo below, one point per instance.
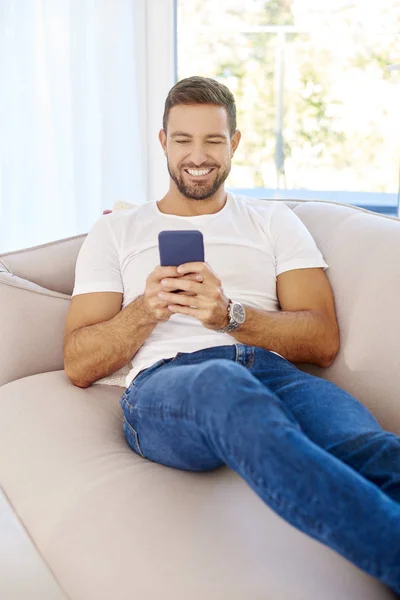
(294, 246)
(97, 267)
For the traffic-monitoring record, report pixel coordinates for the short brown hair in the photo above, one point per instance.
(201, 90)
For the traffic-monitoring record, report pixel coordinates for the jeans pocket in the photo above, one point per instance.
(132, 437)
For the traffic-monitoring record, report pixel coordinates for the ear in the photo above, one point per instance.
(235, 141)
(163, 140)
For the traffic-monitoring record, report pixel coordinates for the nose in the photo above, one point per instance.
(198, 156)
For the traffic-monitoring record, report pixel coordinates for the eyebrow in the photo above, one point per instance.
(210, 135)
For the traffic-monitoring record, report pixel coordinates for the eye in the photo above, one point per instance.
(182, 141)
(215, 142)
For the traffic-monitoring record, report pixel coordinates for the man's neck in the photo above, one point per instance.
(174, 203)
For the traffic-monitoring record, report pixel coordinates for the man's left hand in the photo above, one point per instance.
(208, 299)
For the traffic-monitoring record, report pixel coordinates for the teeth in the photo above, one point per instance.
(197, 173)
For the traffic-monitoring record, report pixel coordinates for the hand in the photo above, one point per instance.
(207, 303)
(155, 307)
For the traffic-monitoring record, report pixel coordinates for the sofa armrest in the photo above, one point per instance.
(32, 322)
(35, 292)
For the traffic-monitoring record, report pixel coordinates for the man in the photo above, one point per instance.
(212, 379)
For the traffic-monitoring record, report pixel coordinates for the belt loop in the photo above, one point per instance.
(244, 354)
(240, 353)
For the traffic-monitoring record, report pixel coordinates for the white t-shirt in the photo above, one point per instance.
(247, 244)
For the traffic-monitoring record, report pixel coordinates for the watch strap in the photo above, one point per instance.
(232, 325)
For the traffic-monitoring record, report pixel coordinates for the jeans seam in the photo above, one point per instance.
(135, 436)
(275, 498)
(126, 405)
(280, 501)
(250, 361)
(184, 416)
(318, 527)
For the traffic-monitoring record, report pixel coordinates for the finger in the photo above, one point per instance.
(181, 299)
(185, 285)
(192, 267)
(202, 269)
(192, 277)
(204, 315)
(153, 285)
(162, 272)
(185, 310)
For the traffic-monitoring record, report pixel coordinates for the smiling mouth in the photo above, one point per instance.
(199, 173)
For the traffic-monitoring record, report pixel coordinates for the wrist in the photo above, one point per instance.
(144, 316)
(227, 318)
(235, 318)
(224, 323)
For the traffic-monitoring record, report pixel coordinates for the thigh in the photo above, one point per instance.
(162, 418)
(327, 414)
(175, 409)
(337, 422)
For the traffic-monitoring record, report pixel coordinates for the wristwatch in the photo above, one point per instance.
(237, 316)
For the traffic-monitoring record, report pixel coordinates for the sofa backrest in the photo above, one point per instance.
(361, 248)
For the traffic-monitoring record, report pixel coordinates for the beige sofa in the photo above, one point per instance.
(83, 517)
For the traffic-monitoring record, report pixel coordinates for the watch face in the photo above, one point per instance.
(238, 312)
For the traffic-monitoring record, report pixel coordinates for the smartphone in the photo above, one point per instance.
(177, 247)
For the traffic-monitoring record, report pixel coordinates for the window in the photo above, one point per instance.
(317, 106)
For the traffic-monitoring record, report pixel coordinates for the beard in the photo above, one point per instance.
(200, 190)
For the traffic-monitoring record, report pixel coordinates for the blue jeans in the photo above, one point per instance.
(310, 450)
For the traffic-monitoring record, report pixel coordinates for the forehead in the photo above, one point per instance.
(198, 119)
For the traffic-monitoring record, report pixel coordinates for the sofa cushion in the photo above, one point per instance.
(111, 524)
(23, 572)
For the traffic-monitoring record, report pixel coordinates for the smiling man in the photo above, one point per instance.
(212, 378)
(190, 181)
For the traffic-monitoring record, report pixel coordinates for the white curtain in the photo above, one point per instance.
(72, 115)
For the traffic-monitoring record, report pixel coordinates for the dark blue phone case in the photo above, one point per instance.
(177, 247)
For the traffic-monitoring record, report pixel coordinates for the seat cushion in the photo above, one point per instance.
(23, 572)
(111, 524)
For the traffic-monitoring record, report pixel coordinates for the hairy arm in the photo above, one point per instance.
(306, 329)
(100, 338)
(96, 351)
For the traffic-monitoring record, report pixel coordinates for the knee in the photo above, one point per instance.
(217, 382)
(219, 373)
(222, 386)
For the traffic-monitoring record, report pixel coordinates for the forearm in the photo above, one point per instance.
(96, 351)
(299, 336)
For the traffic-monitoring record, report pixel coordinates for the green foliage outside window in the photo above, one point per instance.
(340, 127)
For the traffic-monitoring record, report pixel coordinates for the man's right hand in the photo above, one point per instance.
(156, 308)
